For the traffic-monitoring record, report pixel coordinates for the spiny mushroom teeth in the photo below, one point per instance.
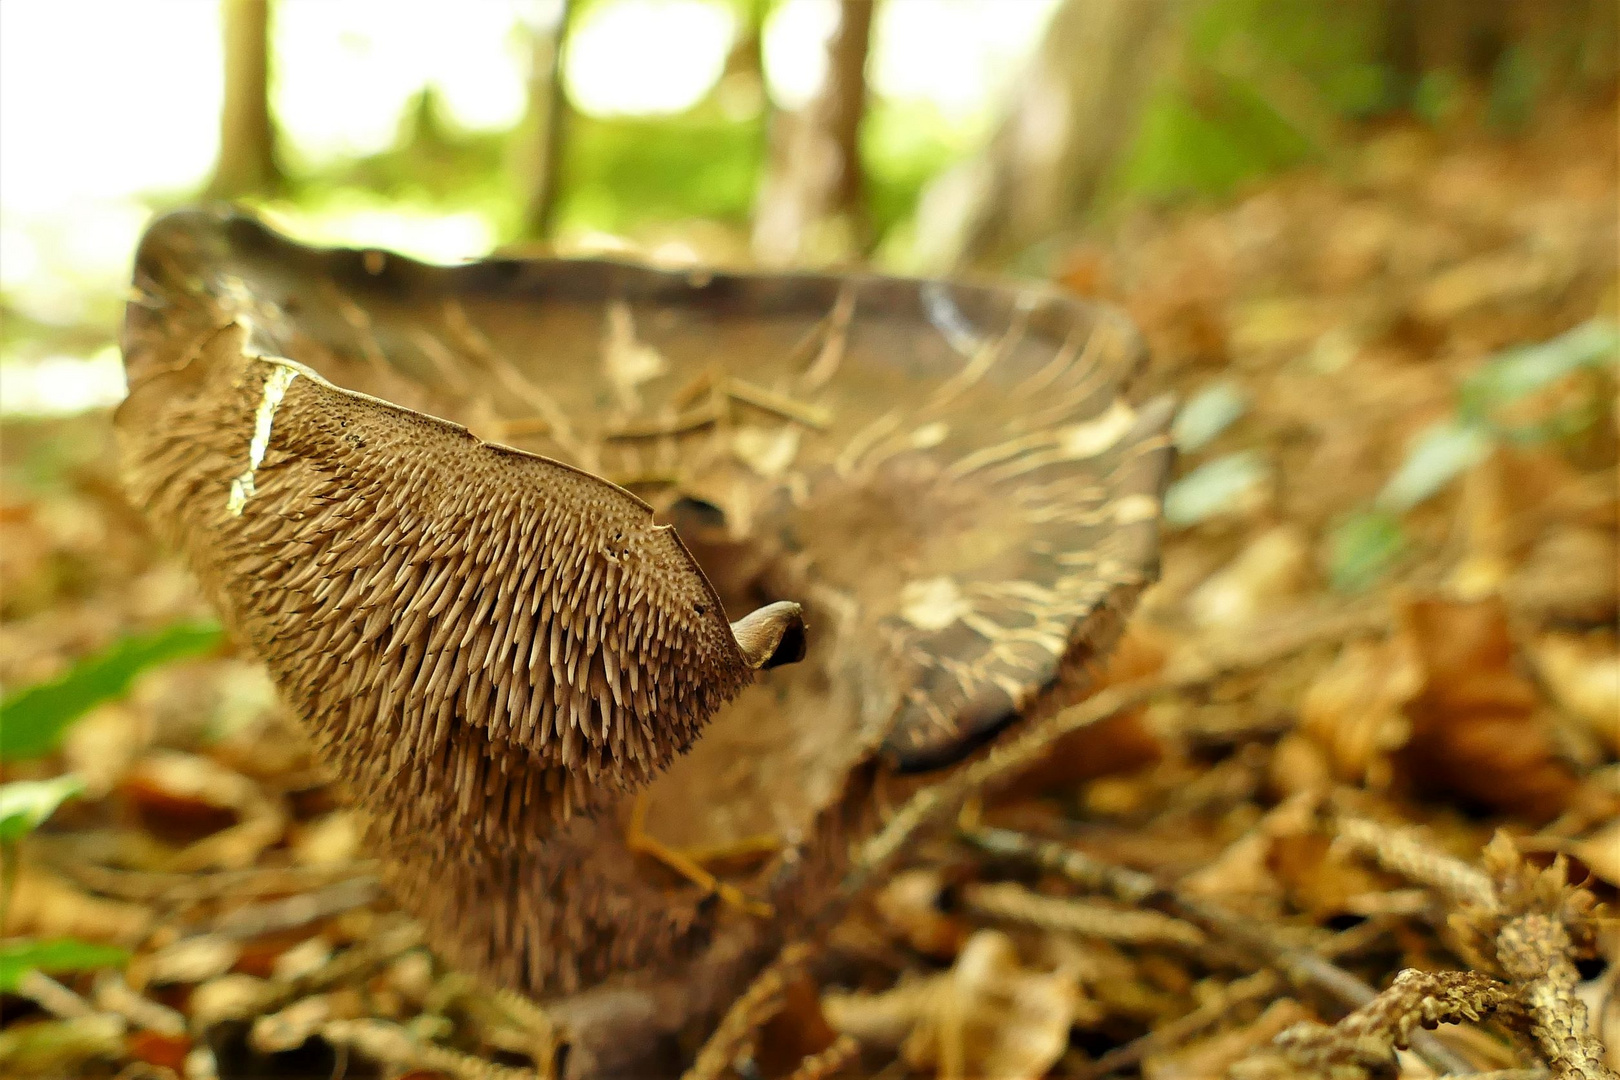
(425, 599)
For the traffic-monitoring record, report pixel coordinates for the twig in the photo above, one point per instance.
(292, 912)
(151, 885)
(1364, 1042)
(758, 1003)
(843, 1050)
(815, 416)
(932, 806)
(1524, 915)
(1403, 851)
(1014, 903)
(356, 962)
(1256, 987)
(1301, 967)
(391, 1043)
(114, 995)
(52, 996)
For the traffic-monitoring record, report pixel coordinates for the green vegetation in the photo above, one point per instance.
(33, 719)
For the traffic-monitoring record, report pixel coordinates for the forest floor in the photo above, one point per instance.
(1385, 633)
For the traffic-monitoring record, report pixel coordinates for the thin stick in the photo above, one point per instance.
(758, 1003)
(759, 397)
(1303, 968)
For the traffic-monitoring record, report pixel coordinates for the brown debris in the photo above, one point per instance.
(1305, 294)
(1475, 727)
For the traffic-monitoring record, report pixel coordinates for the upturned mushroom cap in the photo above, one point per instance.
(952, 481)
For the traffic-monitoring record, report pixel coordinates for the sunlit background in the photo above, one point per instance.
(410, 125)
(102, 128)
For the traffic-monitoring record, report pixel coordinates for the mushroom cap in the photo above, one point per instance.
(484, 524)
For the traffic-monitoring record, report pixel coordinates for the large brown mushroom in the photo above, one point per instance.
(484, 524)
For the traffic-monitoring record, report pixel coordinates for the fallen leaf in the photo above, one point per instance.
(1353, 710)
(1583, 675)
(1476, 729)
(987, 1017)
(1270, 568)
(911, 906)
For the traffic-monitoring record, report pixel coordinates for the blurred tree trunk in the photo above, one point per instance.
(809, 206)
(545, 132)
(247, 133)
(1068, 122)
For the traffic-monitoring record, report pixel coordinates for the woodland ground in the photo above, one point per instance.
(1435, 651)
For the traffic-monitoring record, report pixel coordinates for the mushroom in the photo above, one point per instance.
(484, 525)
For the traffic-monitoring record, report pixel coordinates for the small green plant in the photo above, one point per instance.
(21, 956)
(33, 719)
(1369, 542)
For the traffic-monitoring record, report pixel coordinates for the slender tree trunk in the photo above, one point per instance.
(546, 127)
(1066, 126)
(247, 133)
(810, 204)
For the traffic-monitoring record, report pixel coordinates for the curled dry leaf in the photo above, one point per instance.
(1476, 727)
(188, 794)
(987, 1017)
(1442, 704)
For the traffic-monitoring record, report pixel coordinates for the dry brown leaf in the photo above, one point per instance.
(911, 905)
(331, 840)
(1354, 709)
(226, 816)
(1600, 851)
(1270, 568)
(101, 747)
(1318, 881)
(45, 905)
(1476, 729)
(987, 1017)
(797, 1031)
(1583, 675)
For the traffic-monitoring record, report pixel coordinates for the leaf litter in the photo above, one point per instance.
(1385, 636)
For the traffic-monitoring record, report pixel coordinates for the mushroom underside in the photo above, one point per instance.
(364, 459)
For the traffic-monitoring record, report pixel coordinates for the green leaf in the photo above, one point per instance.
(1363, 548)
(1519, 372)
(25, 804)
(1440, 454)
(56, 954)
(1214, 488)
(1214, 409)
(32, 720)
